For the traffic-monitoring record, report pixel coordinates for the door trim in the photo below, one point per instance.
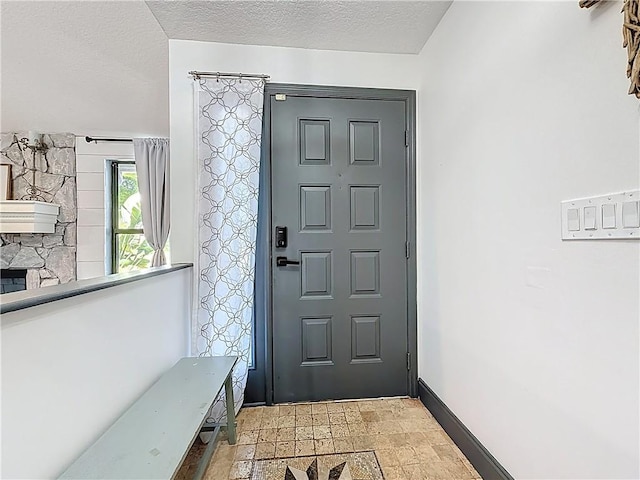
(321, 91)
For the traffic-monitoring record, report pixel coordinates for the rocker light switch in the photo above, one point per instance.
(589, 218)
(631, 214)
(609, 215)
(573, 219)
(612, 216)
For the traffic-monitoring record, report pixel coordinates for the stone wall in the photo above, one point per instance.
(49, 258)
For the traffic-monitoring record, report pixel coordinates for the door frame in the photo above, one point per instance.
(321, 91)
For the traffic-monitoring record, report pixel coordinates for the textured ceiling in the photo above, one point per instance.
(101, 67)
(390, 26)
(87, 67)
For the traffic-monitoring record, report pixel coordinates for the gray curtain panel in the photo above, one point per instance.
(152, 166)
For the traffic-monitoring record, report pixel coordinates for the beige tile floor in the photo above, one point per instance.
(408, 443)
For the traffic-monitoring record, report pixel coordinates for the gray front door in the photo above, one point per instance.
(338, 185)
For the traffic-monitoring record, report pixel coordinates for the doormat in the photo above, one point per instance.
(341, 466)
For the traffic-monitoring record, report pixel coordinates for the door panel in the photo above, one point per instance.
(338, 184)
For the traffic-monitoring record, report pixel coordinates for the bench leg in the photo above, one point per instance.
(206, 456)
(231, 410)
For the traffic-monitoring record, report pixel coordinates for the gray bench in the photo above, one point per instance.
(151, 439)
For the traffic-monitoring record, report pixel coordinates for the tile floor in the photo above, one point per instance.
(407, 442)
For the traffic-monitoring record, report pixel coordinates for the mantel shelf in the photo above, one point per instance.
(27, 216)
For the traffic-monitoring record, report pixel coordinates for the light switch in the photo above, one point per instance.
(573, 219)
(604, 217)
(590, 218)
(631, 214)
(609, 215)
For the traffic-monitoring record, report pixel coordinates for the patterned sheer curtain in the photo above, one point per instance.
(229, 126)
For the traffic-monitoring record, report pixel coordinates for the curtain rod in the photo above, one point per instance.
(93, 139)
(196, 75)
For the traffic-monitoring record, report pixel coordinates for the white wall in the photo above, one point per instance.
(285, 65)
(93, 235)
(91, 68)
(71, 367)
(531, 341)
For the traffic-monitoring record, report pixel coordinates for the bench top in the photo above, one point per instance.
(151, 439)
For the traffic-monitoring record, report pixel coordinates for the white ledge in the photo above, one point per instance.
(27, 216)
(39, 296)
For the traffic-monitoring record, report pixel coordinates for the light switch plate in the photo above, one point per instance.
(606, 217)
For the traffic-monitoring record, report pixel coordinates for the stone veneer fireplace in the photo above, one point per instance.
(49, 259)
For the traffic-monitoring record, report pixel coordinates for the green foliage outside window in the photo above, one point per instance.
(131, 248)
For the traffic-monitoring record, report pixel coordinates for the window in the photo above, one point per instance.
(129, 249)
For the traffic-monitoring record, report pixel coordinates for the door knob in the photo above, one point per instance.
(284, 261)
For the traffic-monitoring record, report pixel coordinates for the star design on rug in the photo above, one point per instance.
(339, 472)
